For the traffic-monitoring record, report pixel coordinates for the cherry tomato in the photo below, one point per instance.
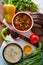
(34, 39)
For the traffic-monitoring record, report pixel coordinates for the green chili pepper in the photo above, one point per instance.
(35, 52)
(3, 35)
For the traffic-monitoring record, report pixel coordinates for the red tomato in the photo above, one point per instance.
(34, 39)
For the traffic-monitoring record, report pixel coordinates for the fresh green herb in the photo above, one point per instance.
(35, 52)
(22, 4)
(22, 22)
(36, 60)
(2, 34)
(7, 2)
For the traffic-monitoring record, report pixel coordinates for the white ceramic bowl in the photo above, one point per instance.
(20, 30)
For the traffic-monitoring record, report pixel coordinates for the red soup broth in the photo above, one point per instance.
(22, 22)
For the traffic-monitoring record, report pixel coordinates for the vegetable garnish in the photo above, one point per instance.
(22, 22)
(22, 4)
(9, 10)
(27, 49)
(36, 60)
(35, 52)
(3, 35)
(34, 39)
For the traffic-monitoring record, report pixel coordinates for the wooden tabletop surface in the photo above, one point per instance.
(34, 29)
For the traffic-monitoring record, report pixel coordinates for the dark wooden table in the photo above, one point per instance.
(34, 29)
(1, 19)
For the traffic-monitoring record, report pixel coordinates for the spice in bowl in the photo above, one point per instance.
(27, 49)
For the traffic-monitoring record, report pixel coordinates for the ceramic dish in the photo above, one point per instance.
(22, 22)
(12, 53)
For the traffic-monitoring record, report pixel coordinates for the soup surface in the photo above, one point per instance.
(12, 53)
(22, 22)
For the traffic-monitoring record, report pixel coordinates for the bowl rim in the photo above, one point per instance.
(9, 45)
(26, 14)
(29, 46)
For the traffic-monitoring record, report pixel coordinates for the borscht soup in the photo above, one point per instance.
(22, 22)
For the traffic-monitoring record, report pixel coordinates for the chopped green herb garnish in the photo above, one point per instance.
(22, 4)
